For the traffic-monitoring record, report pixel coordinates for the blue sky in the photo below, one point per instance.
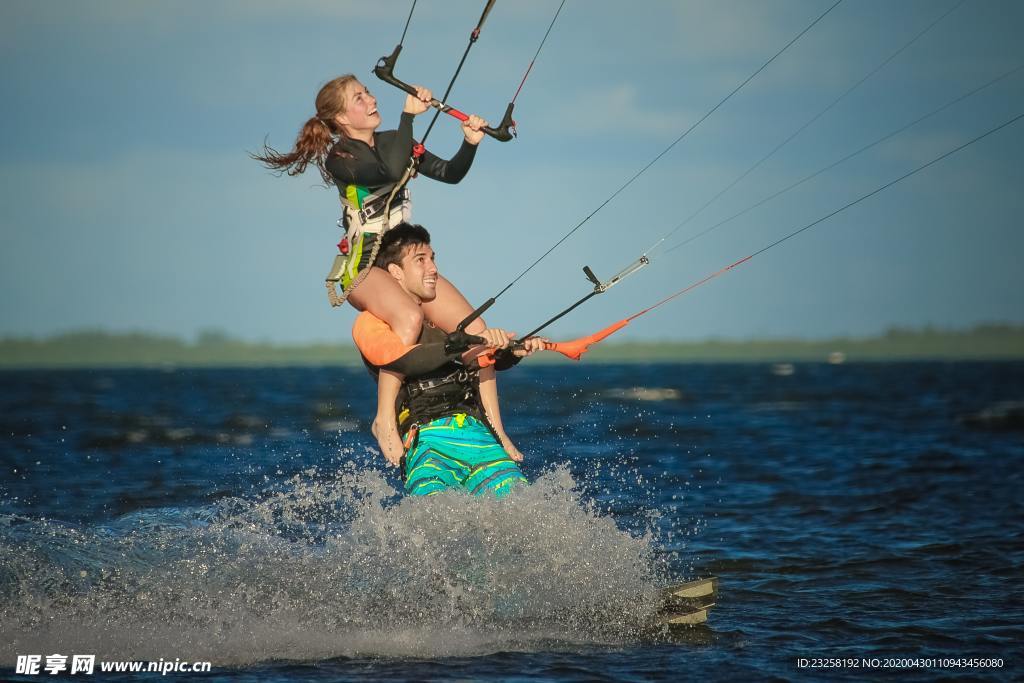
(128, 201)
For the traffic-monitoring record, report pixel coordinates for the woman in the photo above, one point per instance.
(342, 140)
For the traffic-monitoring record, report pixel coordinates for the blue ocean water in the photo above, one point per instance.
(866, 512)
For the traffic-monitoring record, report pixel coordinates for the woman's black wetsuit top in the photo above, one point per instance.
(355, 163)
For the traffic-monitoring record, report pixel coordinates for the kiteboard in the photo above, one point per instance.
(687, 604)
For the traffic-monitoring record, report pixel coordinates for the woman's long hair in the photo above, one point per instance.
(316, 136)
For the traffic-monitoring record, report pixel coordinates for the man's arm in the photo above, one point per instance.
(383, 349)
(499, 339)
(489, 390)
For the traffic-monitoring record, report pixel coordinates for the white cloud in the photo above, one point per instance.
(615, 109)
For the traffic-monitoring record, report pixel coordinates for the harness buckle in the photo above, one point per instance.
(365, 214)
(460, 376)
(377, 206)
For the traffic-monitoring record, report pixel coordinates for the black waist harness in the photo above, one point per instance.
(453, 389)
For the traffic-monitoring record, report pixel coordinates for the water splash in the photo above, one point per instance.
(329, 566)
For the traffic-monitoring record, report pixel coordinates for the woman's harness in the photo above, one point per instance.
(374, 215)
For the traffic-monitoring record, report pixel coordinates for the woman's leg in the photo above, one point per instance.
(382, 296)
(489, 400)
(385, 424)
(447, 310)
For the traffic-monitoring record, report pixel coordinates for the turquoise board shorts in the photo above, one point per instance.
(458, 452)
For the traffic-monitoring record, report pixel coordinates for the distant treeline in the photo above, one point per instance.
(95, 348)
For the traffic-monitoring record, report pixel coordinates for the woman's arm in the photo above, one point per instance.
(455, 169)
(448, 171)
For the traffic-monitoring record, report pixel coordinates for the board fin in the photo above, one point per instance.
(693, 589)
(688, 619)
(688, 603)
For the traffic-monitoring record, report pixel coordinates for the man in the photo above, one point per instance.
(435, 429)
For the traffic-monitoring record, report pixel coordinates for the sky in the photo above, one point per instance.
(128, 201)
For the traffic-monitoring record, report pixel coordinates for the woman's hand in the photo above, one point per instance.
(420, 102)
(471, 128)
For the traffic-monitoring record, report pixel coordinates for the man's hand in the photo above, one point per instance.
(504, 357)
(530, 346)
(497, 338)
(460, 341)
(472, 129)
(419, 103)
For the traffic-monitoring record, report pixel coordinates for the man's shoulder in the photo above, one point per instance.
(368, 329)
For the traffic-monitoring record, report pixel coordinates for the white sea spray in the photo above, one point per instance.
(328, 566)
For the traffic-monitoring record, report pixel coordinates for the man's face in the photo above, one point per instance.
(418, 272)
